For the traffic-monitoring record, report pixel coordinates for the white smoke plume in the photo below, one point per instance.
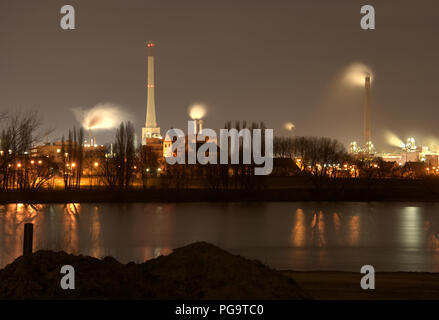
(393, 140)
(355, 73)
(289, 126)
(197, 111)
(101, 116)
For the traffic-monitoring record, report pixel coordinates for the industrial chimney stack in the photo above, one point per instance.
(151, 129)
(367, 138)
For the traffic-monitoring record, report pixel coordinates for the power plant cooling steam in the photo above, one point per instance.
(355, 74)
(101, 116)
(197, 113)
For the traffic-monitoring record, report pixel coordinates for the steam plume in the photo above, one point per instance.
(197, 111)
(355, 73)
(393, 140)
(101, 116)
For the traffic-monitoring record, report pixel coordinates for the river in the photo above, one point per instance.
(391, 236)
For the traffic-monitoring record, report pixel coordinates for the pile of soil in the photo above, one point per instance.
(196, 271)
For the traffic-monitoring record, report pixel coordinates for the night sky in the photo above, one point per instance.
(272, 61)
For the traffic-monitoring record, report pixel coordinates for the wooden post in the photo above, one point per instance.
(28, 238)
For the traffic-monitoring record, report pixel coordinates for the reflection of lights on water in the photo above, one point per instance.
(321, 228)
(96, 235)
(298, 234)
(410, 227)
(336, 222)
(318, 229)
(353, 230)
(70, 228)
(73, 208)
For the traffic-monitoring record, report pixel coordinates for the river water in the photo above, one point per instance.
(343, 236)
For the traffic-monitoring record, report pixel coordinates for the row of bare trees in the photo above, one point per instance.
(121, 164)
(72, 155)
(317, 154)
(18, 169)
(117, 169)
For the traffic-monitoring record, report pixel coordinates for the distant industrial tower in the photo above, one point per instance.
(151, 129)
(367, 137)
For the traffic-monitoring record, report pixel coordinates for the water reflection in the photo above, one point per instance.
(96, 246)
(70, 240)
(411, 229)
(353, 230)
(323, 230)
(304, 236)
(12, 220)
(337, 223)
(298, 234)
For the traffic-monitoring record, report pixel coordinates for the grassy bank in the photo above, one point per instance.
(347, 191)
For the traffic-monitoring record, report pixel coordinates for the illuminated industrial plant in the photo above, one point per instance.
(358, 74)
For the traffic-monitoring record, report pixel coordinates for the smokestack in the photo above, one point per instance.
(200, 125)
(89, 137)
(367, 137)
(151, 129)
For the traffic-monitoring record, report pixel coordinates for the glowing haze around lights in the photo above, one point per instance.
(393, 140)
(197, 112)
(355, 74)
(101, 116)
(289, 126)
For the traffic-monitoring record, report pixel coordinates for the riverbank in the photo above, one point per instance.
(333, 285)
(199, 271)
(414, 191)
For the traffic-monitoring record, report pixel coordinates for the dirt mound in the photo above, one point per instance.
(196, 271)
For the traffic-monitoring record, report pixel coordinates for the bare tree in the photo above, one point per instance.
(147, 162)
(125, 154)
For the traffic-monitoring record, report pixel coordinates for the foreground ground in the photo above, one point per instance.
(198, 271)
(329, 285)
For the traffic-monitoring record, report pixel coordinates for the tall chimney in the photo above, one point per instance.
(367, 111)
(151, 129)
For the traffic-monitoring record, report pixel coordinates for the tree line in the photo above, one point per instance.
(121, 164)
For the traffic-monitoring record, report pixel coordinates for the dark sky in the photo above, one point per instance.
(271, 61)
